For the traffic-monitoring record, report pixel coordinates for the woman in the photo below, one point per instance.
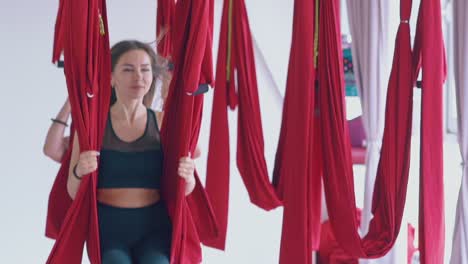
(133, 221)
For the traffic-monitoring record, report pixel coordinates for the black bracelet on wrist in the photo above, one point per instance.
(58, 121)
(75, 174)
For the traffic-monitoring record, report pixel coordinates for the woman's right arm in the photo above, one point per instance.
(55, 144)
(81, 164)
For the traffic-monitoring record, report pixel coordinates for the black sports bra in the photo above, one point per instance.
(136, 164)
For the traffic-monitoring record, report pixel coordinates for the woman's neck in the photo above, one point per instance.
(128, 111)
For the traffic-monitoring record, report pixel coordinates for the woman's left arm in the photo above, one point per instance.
(186, 168)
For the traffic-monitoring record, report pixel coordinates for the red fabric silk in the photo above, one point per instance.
(58, 33)
(164, 20)
(430, 56)
(192, 30)
(192, 218)
(330, 251)
(392, 175)
(298, 161)
(206, 76)
(87, 70)
(250, 145)
(59, 200)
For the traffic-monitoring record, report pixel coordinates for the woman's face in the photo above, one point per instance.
(132, 75)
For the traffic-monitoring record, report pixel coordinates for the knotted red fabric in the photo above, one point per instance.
(330, 251)
(429, 54)
(192, 218)
(81, 34)
(236, 67)
(297, 172)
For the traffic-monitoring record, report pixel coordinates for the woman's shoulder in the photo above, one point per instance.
(158, 115)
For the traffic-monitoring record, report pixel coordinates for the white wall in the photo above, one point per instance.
(31, 92)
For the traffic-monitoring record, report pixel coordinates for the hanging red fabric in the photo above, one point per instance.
(81, 33)
(164, 20)
(192, 218)
(297, 166)
(330, 252)
(392, 176)
(206, 77)
(58, 33)
(430, 56)
(235, 55)
(59, 200)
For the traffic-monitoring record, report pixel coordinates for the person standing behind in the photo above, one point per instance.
(56, 143)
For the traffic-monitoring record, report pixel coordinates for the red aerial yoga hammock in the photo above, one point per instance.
(429, 54)
(164, 21)
(81, 33)
(298, 161)
(192, 218)
(85, 44)
(235, 55)
(392, 177)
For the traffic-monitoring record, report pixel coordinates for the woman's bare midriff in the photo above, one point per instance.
(128, 197)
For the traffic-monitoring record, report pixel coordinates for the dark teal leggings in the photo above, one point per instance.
(134, 235)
